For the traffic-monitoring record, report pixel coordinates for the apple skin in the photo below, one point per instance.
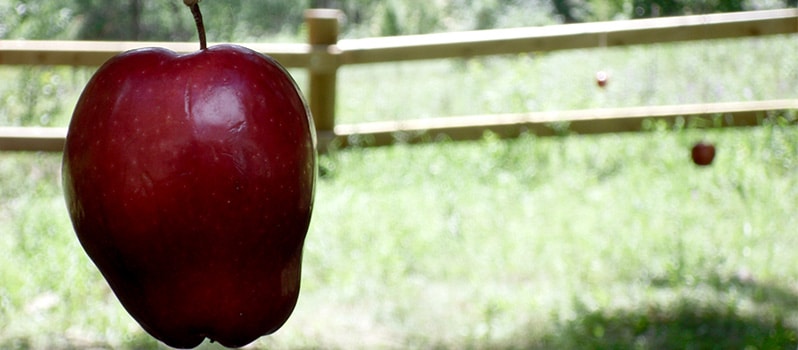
(703, 153)
(602, 78)
(190, 183)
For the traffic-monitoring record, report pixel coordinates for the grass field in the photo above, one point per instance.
(527, 243)
(700, 72)
(606, 242)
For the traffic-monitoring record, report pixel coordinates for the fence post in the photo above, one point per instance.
(323, 29)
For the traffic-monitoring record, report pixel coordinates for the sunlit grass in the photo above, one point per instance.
(40, 96)
(700, 72)
(493, 236)
(484, 244)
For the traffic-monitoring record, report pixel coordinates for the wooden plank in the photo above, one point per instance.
(570, 36)
(32, 139)
(441, 45)
(323, 29)
(590, 121)
(95, 53)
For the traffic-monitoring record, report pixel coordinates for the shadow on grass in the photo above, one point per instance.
(686, 325)
(705, 314)
(137, 341)
(713, 321)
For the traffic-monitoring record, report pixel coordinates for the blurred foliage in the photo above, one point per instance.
(257, 20)
(132, 20)
(603, 10)
(36, 20)
(37, 97)
(237, 20)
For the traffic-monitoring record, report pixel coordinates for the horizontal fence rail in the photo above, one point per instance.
(441, 45)
(569, 36)
(32, 138)
(95, 53)
(324, 54)
(589, 121)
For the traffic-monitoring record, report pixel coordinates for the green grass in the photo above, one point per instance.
(700, 72)
(600, 242)
(607, 241)
(494, 235)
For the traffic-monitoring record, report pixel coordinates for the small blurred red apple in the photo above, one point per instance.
(602, 78)
(703, 153)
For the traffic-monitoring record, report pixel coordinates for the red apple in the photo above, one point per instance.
(190, 181)
(703, 153)
(602, 78)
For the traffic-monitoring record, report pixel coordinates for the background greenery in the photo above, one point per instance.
(608, 241)
(46, 95)
(241, 20)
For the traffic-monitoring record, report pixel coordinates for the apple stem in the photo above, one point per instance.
(195, 10)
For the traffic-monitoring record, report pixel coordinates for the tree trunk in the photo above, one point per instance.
(135, 19)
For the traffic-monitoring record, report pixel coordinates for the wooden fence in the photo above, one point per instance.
(324, 54)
